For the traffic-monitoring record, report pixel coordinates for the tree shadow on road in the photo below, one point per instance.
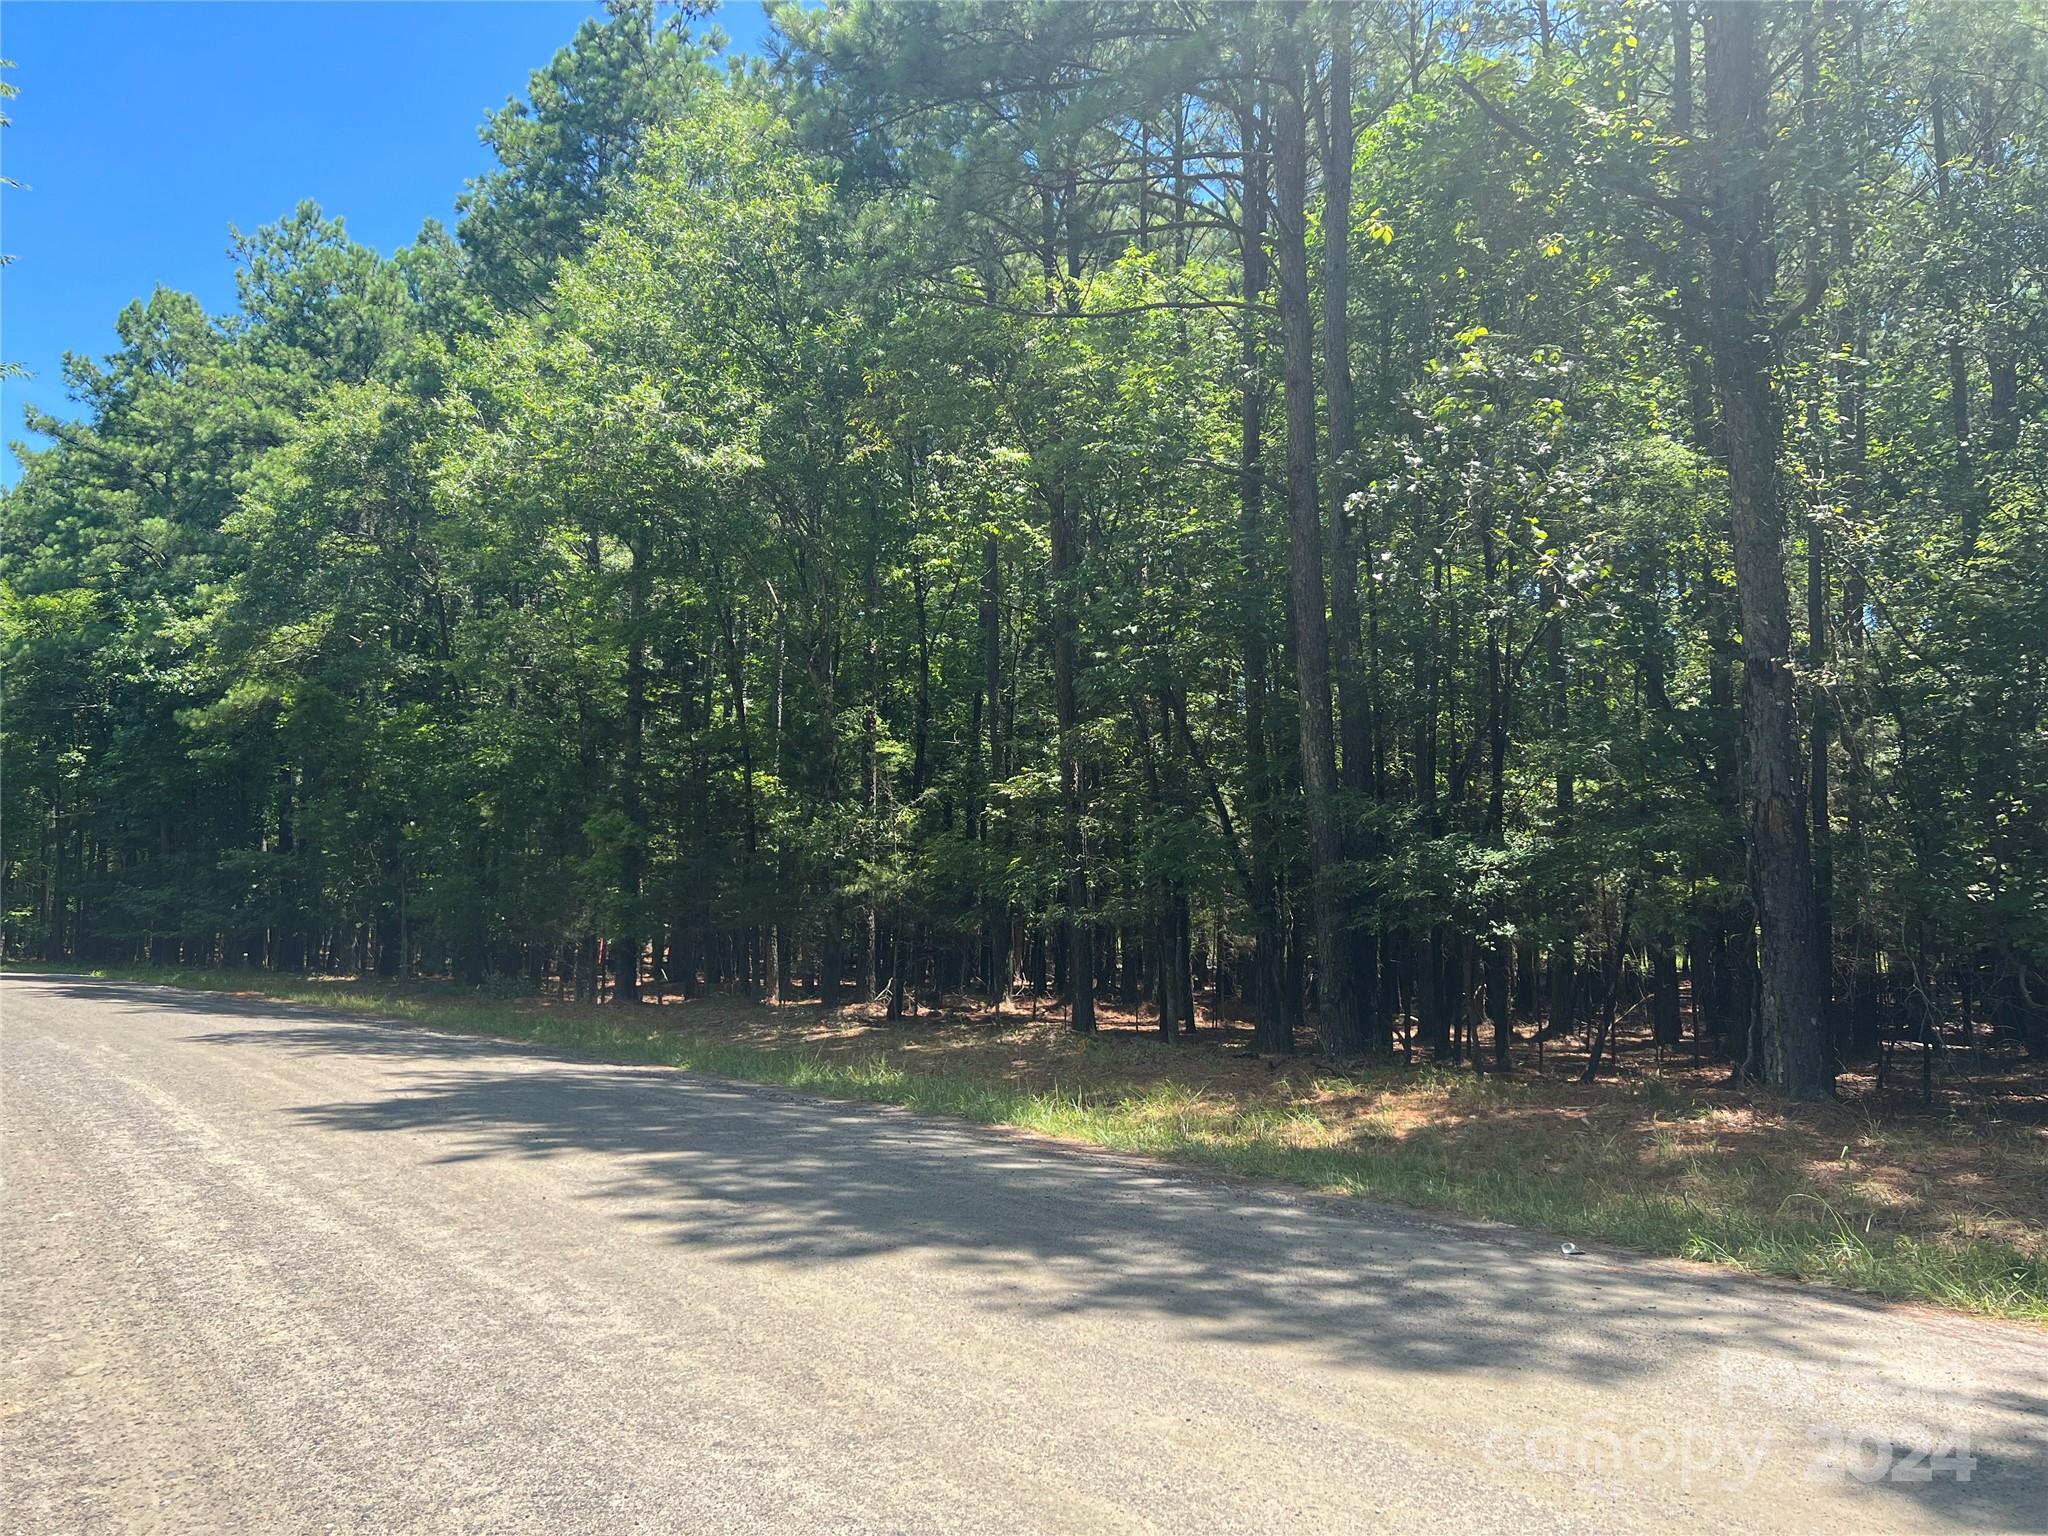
(751, 1175)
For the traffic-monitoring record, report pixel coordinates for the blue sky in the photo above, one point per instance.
(143, 131)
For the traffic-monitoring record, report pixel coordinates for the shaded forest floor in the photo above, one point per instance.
(1944, 1202)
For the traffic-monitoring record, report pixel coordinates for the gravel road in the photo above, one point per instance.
(274, 1269)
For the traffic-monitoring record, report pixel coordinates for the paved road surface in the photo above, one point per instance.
(274, 1269)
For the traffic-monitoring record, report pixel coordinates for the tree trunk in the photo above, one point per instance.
(736, 663)
(997, 918)
(1667, 1023)
(627, 941)
(1795, 1053)
(1353, 711)
(1080, 959)
(1969, 494)
(1564, 953)
(1273, 1026)
(1340, 1025)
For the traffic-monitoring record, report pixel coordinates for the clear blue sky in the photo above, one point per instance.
(143, 131)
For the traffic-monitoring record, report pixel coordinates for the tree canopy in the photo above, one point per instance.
(1416, 521)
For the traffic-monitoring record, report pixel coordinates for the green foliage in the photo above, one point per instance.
(680, 554)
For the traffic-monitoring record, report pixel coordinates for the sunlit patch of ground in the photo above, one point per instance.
(1943, 1201)
(1971, 1167)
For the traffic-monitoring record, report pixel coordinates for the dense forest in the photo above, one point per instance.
(1418, 523)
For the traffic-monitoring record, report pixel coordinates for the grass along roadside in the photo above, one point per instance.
(1924, 1208)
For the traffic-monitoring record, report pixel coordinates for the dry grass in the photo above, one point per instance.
(1947, 1203)
(1972, 1167)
